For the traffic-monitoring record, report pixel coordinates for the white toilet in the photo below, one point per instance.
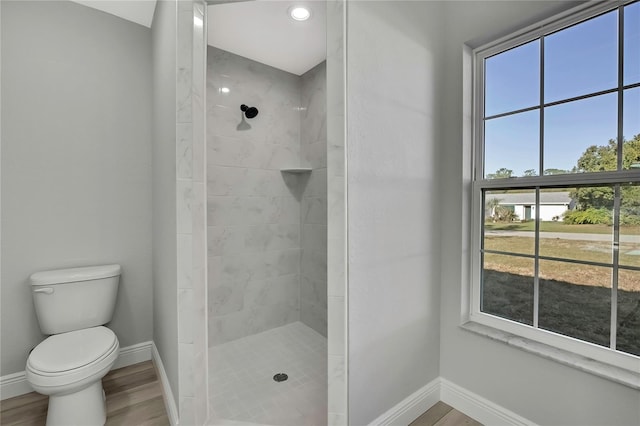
(72, 305)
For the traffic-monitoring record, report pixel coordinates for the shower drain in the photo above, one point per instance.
(280, 377)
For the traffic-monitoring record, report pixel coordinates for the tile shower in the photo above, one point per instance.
(267, 242)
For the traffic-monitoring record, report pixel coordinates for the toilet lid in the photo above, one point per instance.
(75, 349)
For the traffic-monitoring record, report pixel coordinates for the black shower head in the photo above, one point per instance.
(249, 112)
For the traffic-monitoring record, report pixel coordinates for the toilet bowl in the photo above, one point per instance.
(72, 305)
(68, 367)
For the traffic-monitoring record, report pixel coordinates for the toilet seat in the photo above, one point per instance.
(72, 350)
(68, 359)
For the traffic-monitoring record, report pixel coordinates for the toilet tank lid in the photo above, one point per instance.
(74, 274)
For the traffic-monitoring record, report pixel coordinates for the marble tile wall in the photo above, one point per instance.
(243, 191)
(190, 212)
(253, 208)
(267, 229)
(337, 271)
(313, 211)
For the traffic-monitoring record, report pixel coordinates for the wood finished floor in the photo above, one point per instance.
(134, 397)
(442, 414)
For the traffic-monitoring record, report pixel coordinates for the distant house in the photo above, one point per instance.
(552, 204)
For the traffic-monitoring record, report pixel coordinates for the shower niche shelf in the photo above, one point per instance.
(296, 170)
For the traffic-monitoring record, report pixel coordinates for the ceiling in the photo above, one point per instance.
(260, 30)
(138, 11)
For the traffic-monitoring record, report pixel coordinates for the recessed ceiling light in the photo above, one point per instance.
(299, 13)
(224, 90)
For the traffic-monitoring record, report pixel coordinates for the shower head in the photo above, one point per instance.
(249, 112)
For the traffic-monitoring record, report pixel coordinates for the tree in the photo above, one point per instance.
(601, 158)
(604, 157)
(498, 212)
(505, 214)
(552, 171)
(500, 174)
(530, 172)
(490, 207)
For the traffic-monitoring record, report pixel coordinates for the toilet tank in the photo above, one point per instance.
(76, 298)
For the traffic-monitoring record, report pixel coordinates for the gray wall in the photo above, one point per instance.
(538, 389)
(253, 208)
(393, 80)
(165, 305)
(76, 160)
(313, 207)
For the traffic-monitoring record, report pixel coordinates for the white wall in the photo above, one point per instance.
(76, 163)
(165, 308)
(538, 389)
(394, 185)
(549, 212)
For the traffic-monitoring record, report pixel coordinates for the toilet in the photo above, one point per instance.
(72, 305)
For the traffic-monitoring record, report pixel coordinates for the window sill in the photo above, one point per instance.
(582, 363)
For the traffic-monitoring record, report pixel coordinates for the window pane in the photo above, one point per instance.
(507, 287)
(512, 79)
(584, 230)
(628, 336)
(580, 136)
(510, 221)
(632, 43)
(511, 145)
(631, 129)
(575, 300)
(630, 225)
(581, 59)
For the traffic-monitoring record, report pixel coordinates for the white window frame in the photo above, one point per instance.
(471, 301)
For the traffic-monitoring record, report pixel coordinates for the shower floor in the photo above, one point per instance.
(241, 385)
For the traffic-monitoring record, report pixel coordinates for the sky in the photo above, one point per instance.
(577, 61)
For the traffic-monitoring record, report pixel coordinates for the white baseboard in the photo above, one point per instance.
(411, 407)
(133, 354)
(403, 413)
(463, 400)
(167, 394)
(16, 384)
(477, 407)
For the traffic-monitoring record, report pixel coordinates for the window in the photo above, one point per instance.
(556, 184)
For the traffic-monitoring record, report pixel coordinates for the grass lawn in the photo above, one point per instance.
(575, 299)
(559, 227)
(593, 251)
(578, 311)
